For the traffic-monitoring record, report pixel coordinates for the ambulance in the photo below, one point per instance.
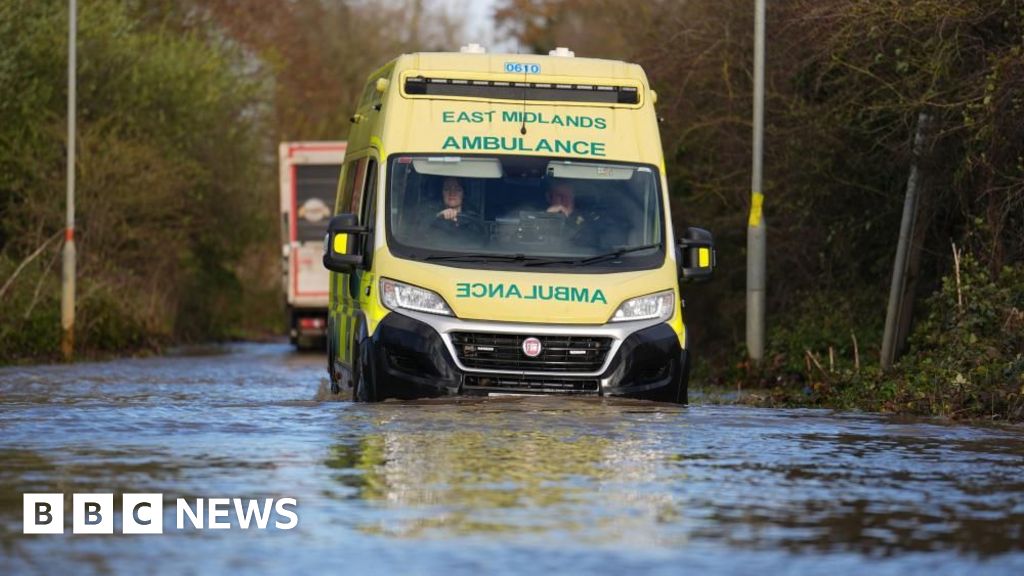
(501, 227)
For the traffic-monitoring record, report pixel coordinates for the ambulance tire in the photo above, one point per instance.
(363, 374)
(683, 391)
(332, 354)
(678, 391)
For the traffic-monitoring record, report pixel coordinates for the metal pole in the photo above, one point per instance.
(67, 295)
(756, 229)
(897, 287)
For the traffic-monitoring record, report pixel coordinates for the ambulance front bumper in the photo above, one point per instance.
(418, 355)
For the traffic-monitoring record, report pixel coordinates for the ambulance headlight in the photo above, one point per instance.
(653, 306)
(400, 296)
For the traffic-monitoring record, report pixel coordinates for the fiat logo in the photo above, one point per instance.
(532, 347)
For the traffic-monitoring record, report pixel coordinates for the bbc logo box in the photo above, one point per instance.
(43, 514)
(93, 514)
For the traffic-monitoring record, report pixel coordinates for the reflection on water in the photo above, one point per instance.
(496, 484)
(538, 465)
(612, 473)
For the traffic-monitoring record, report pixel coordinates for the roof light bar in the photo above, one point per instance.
(505, 90)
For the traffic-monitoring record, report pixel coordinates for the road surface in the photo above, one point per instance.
(494, 485)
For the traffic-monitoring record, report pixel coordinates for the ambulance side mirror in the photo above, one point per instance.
(696, 255)
(343, 244)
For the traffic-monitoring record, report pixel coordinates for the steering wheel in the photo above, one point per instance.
(467, 222)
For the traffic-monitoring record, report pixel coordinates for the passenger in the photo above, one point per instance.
(579, 228)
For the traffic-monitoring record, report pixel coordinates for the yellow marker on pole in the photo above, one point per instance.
(756, 201)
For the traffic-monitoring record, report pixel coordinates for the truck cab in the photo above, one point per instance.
(502, 227)
(309, 173)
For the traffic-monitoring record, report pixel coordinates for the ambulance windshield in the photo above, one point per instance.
(518, 211)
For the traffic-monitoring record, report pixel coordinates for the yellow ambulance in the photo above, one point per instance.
(502, 226)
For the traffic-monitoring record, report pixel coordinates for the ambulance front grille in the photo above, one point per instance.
(529, 385)
(505, 352)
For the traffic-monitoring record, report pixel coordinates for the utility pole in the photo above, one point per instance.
(892, 338)
(756, 229)
(67, 294)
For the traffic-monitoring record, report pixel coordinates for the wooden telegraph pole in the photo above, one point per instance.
(67, 294)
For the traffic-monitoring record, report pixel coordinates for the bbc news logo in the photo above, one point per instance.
(144, 513)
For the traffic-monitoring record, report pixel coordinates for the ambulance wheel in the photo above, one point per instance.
(677, 392)
(333, 376)
(332, 373)
(683, 382)
(363, 375)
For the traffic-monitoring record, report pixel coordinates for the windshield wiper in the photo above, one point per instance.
(480, 257)
(598, 258)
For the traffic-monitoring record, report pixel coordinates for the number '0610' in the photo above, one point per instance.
(522, 68)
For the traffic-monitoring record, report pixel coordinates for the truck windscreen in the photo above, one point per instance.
(518, 211)
(315, 187)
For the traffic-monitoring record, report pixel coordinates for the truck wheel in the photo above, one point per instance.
(363, 376)
(293, 334)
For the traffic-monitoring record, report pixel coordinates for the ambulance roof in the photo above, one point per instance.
(519, 65)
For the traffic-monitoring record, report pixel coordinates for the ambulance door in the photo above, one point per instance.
(362, 282)
(346, 307)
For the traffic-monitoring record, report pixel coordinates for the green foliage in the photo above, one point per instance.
(108, 324)
(847, 323)
(966, 358)
(31, 325)
(172, 179)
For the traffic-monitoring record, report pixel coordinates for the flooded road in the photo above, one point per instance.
(498, 485)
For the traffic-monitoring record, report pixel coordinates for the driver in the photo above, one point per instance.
(453, 221)
(452, 195)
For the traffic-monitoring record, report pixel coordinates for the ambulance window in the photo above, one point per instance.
(366, 214)
(344, 199)
(517, 211)
(370, 93)
(355, 185)
(367, 210)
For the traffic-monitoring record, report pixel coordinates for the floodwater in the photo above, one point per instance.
(496, 485)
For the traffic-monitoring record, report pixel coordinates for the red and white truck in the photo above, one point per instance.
(309, 182)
